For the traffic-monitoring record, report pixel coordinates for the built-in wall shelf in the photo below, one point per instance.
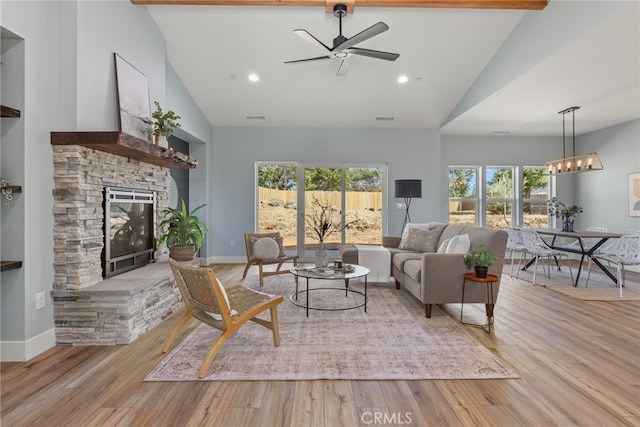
(14, 188)
(8, 112)
(10, 265)
(128, 146)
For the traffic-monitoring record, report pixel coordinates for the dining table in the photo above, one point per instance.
(584, 249)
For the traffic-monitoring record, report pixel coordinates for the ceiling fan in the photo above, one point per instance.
(343, 48)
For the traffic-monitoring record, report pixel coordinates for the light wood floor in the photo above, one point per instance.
(579, 363)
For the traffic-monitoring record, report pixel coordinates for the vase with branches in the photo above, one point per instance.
(163, 122)
(322, 221)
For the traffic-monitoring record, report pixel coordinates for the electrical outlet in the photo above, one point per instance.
(40, 302)
(400, 205)
(232, 243)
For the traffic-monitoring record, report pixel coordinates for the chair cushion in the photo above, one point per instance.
(217, 316)
(460, 244)
(267, 247)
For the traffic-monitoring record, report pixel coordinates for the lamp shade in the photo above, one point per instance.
(408, 188)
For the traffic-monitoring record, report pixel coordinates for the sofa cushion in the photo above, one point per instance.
(460, 244)
(400, 258)
(413, 269)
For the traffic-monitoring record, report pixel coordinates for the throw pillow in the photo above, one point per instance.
(460, 244)
(410, 234)
(442, 249)
(264, 248)
(421, 240)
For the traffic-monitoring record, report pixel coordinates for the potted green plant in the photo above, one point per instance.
(182, 232)
(163, 123)
(558, 209)
(481, 261)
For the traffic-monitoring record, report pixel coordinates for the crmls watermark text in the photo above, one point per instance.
(397, 418)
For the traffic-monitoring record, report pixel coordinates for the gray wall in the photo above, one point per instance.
(70, 85)
(604, 194)
(408, 154)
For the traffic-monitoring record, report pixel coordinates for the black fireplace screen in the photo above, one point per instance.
(129, 229)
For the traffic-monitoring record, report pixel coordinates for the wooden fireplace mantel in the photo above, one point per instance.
(128, 146)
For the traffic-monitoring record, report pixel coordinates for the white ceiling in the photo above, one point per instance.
(443, 51)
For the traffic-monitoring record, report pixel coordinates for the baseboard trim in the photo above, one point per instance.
(22, 351)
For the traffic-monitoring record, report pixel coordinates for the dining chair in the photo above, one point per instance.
(225, 309)
(515, 244)
(625, 251)
(538, 248)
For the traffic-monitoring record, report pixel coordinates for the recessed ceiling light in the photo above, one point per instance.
(403, 79)
(254, 77)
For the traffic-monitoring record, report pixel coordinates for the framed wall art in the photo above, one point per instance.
(133, 100)
(634, 194)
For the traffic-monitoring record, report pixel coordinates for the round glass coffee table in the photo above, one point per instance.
(348, 272)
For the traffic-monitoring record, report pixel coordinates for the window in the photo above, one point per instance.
(535, 193)
(286, 193)
(500, 197)
(463, 195)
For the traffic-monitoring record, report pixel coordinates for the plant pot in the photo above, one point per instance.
(161, 141)
(567, 224)
(182, 253)
(481, 271)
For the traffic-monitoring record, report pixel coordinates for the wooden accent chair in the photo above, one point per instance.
(260, 252)
(227, 310)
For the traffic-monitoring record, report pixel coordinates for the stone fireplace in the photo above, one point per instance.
(90, 309)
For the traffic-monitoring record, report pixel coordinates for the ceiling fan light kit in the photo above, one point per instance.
(581, 163)
(343, 47)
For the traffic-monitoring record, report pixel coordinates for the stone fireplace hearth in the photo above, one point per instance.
(87, 309)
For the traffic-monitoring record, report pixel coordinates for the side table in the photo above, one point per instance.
(488, 281)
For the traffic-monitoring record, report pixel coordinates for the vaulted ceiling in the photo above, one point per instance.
(471, 71)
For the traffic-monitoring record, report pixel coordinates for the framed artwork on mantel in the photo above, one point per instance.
(133, 100)
(634, 194)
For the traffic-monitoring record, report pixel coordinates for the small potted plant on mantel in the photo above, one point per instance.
(162, 125)
(182, 232)
(481, 261)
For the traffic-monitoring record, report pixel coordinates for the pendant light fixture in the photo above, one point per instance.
(582, 163)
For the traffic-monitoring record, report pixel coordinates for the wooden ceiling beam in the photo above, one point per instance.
(328, 4)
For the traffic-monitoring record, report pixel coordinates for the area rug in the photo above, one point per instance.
(391, 341)
(600, 288)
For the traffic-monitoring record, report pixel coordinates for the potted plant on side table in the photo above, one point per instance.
(182, 232)
(481, 261)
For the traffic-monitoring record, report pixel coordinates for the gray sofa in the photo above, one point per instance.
(437, 278)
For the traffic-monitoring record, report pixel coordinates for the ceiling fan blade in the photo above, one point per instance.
(344, 66)
(387, 56)
(373, 30)
(308, 59)
(305, 35)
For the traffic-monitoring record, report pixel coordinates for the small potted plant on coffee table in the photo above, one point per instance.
(481, 261)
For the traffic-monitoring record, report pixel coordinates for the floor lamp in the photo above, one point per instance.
(408, 189)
